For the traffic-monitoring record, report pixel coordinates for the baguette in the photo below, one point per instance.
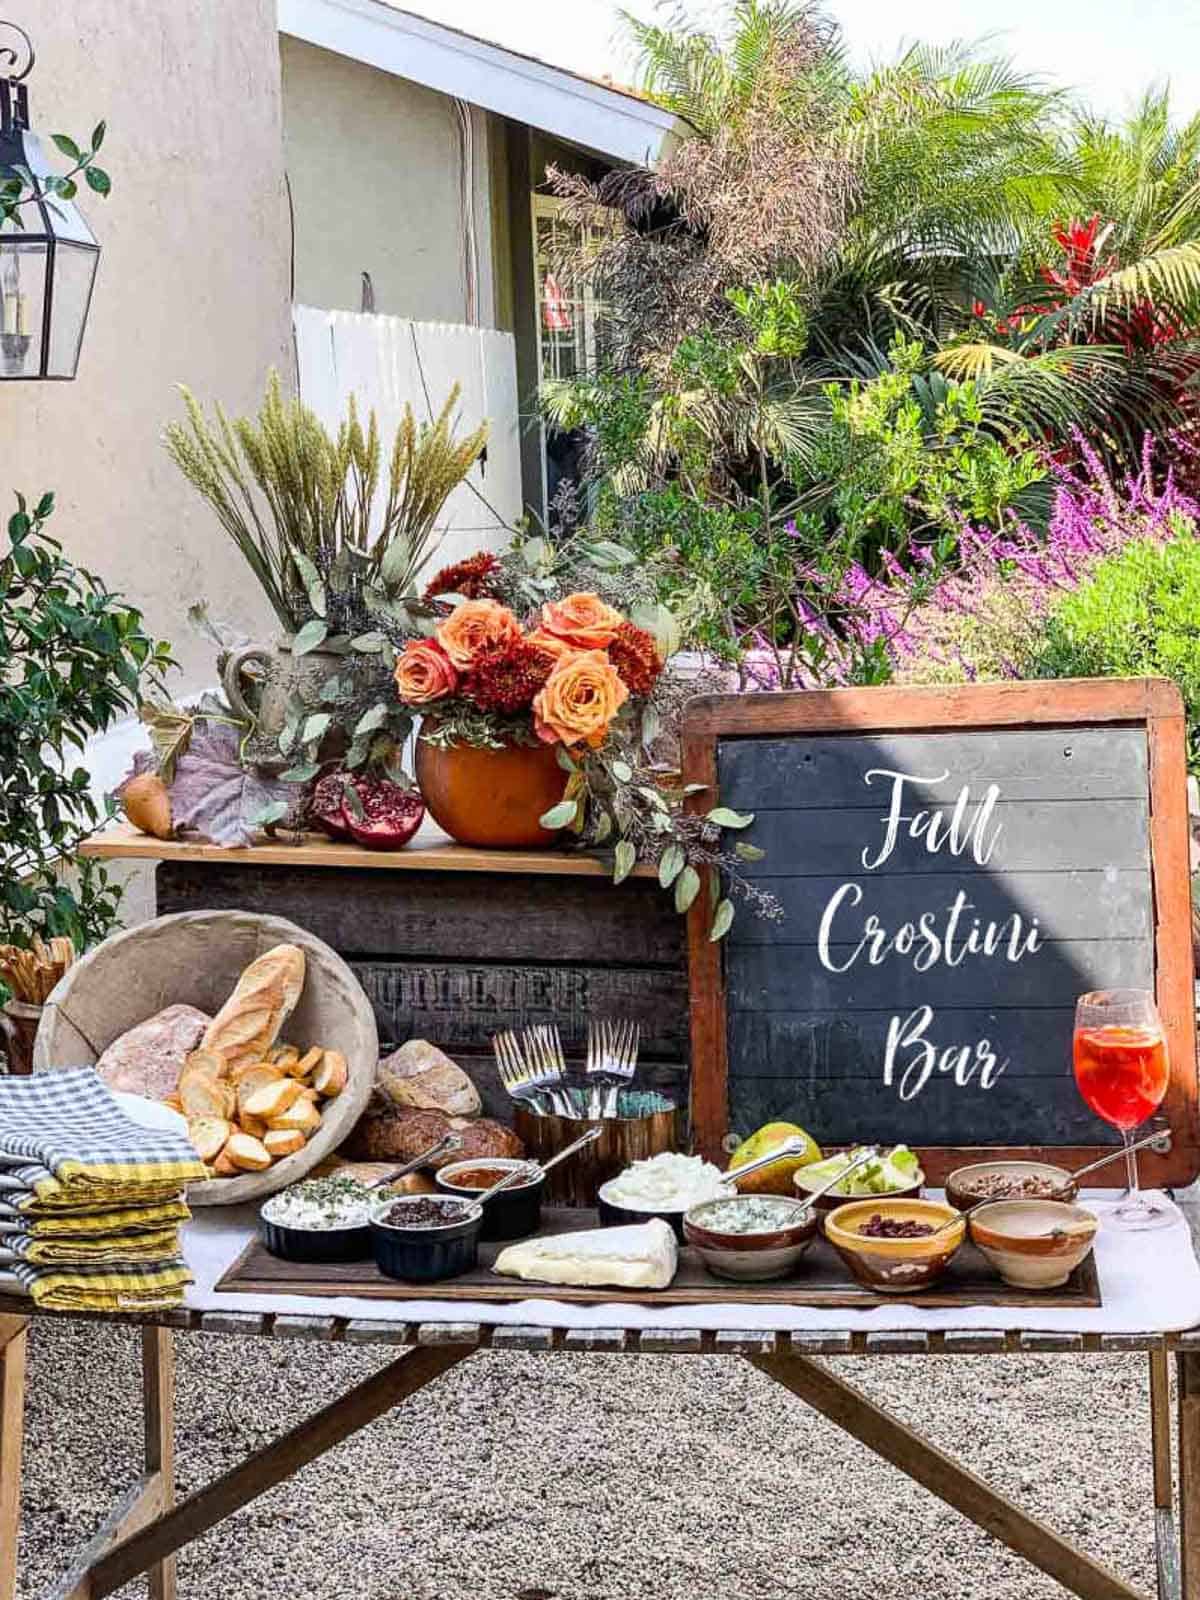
(240, 1073)
(247, 1154)
(283, 1055)
(254, 1126)
(253, 1079)
(209, 1136)
(200, 1096)
(283, 1142)
(306, 1065)
(271, 1099)
(265, 996)
(301, 1116)
(331, 1076)
(223, 1167)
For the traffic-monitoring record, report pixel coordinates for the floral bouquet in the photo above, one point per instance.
(514, 661)
(489, 682)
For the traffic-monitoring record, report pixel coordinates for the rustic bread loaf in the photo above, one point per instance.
(248, 1024)
(387, 1132)
(147, 1060)
(419, 1074)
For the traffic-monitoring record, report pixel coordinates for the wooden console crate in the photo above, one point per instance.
(453, 944)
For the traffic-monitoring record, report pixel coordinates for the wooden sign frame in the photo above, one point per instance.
(1152, 704)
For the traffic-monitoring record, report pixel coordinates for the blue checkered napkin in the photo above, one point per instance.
(68, 1139)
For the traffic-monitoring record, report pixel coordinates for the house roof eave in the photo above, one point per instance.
(607, 121)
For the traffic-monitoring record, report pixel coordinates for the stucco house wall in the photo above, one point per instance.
(379, 182)
(192, 288)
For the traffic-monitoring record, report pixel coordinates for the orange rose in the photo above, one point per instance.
(583, 620)
(424, 672)
(579, 700)
(552, 645)
(474, 626)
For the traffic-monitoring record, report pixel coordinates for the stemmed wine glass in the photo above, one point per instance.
(1121, 1070)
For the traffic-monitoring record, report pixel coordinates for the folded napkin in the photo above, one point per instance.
(113, 1249)
(41, 1223)
(70, 1143)
(131, 1287)
(44, 1196)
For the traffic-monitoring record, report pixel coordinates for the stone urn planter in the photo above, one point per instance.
(261, 683)
(491, 799)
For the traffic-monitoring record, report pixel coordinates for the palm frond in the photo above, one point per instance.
(1171, 275)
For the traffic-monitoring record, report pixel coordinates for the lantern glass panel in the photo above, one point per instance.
(22, 305)
(74, 271)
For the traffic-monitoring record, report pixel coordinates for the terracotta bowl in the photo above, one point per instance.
(1033, 1244)
(491, 799)
(895, 1266)
(961, 1196)
(751, 1257)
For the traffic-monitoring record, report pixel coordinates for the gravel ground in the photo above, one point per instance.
(593, 1477)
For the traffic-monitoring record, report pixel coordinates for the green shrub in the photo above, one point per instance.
(908, 452)
(1137, 616)
(74, 659)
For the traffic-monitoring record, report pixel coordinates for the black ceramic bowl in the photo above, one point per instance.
(423, 1255)
(290, 1243)
(513, 1213)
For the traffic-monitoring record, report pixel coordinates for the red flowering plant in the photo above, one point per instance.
(513, 659)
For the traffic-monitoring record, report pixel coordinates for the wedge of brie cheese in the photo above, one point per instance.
(640, 1257)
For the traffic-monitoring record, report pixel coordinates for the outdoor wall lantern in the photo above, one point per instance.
(48, 254)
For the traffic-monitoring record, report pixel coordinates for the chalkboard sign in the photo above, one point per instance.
(953, 868)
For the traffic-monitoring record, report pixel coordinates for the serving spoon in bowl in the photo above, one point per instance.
(528, 1171)
(1058, 1194)
(796, 1146)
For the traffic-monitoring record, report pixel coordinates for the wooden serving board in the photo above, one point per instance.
(820, 1280)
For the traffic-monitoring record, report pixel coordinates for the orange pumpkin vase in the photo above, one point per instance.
(491, 799)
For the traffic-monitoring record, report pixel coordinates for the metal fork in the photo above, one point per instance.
(548, 1065)
(515, 1074)
(611, 1063)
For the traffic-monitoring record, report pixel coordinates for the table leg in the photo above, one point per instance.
(1166, 1537)
(158, 1399)
(13, 1336)
(945, 1477)
(1188, 1371)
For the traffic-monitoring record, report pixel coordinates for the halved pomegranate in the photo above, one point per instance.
(390, 814)
(325, 806)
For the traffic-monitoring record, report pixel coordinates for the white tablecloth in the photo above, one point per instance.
(1149, 1283)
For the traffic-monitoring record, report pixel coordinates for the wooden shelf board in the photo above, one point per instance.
(124, 843)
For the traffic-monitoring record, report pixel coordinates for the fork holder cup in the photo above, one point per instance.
(574, 1182)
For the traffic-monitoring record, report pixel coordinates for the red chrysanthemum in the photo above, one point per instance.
(635, 655)
(506, 677)
(473, 578)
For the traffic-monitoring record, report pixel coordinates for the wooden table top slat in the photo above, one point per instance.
(427, 853)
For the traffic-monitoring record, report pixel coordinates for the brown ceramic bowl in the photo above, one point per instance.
(1033, 1244)
(830, 1202)
(750, 1257)
(895, 1266)
(962, 1196)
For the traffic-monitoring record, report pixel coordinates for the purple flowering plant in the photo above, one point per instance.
(971, 606)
